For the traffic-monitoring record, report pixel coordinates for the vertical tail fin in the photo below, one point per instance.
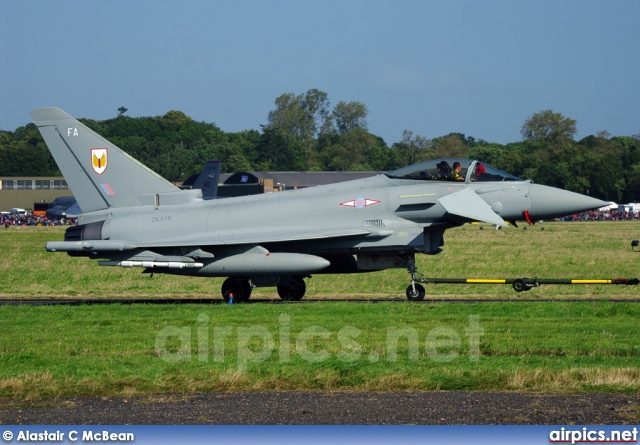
(208, 180)
(99, 174)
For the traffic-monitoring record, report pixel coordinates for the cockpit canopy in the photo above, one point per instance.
(443, 170)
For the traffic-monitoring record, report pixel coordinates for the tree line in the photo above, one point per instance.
(304, 133)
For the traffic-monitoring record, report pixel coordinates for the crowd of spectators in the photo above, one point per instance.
(29, 219)
(602, 215)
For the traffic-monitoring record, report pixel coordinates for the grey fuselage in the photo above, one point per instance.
(395, 216)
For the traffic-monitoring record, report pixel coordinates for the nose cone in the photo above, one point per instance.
(549, 202)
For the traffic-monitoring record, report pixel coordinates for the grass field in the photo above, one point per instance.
(115, 349)
(551, 250)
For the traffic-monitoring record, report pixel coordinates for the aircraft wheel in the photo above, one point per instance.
(293, 291)
(518, 285)
(241, 290)
(418, 294)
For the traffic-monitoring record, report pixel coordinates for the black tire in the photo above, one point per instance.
(241, 290)
(418, 294)
(294, 291)
(518, 285)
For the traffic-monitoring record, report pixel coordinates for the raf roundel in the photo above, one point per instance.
(359, 203)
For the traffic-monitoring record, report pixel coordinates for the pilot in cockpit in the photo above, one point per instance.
(480, 172)
(444, 170)
(455, 174)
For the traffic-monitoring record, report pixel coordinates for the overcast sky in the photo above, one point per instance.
(432, 67)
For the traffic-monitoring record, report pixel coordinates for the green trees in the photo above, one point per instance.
(295, 123)
(598, 165)
(412, 148)
(350, 116)
(24, 153)
(548, 126)
(304, 132)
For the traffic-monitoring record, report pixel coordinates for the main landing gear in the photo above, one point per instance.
(415, 291)
(293, 288)
(289, 288)
(236, 288)
(293, 291)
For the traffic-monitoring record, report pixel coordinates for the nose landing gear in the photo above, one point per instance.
(415, 291)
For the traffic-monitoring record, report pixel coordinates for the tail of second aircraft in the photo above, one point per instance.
(99, 174)
(207, 181)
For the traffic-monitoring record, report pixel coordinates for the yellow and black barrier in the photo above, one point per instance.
(525, 284)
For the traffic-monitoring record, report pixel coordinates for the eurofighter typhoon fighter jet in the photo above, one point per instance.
(132, 217)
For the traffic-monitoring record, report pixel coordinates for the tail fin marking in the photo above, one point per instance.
(99, 174)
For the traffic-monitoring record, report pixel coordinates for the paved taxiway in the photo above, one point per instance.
(337, 408)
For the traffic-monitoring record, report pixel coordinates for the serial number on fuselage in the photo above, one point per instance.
(156, 219)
